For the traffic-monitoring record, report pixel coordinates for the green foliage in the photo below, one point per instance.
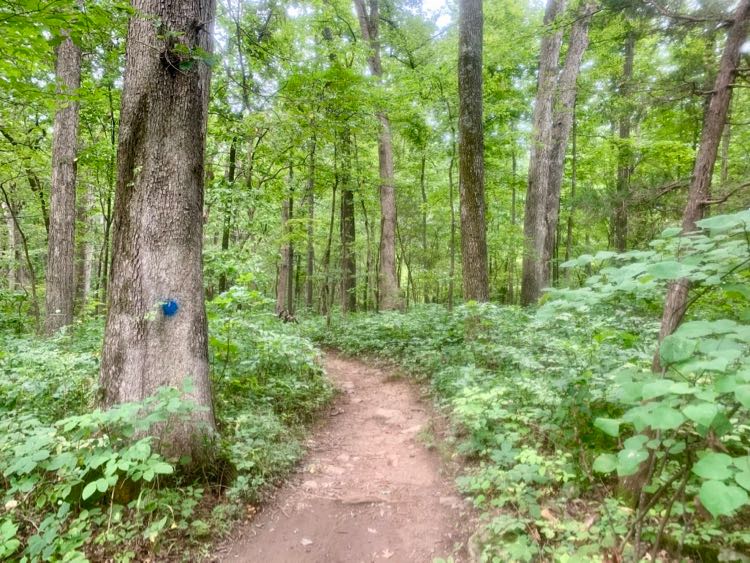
(548, 402)
(80, 483)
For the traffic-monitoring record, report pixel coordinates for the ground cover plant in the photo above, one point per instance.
(83, 483)
(577, 449)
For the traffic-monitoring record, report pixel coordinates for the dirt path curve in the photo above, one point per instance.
(368, 489)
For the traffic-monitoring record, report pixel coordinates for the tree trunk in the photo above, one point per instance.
(326, 297)
(226, 229)
(61, 281)
(284, 287)
(156, 333)
(347, 233)
(85, 252)
(29, 270)
(452, 250)
(534, 225)
(562, 121)
(573, 178)
(388, 290)
(471, 152)
(624, 151)
(310, 263)
(713, 125)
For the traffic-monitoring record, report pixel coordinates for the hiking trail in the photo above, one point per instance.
(367, 490)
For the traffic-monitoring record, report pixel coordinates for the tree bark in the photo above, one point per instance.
(532, 277)
(285, 287)
(61, 280)
(471, 152)
(388, 287)
(624, 151)
(226, 228)
(310, 262)
(713, 124)
(562, 121)
(347, 233)
(156, 333)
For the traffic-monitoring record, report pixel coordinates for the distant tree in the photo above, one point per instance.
(388, 290)
(156, 333)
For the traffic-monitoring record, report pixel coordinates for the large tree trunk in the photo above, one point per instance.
(61, 280)
(388, 290)
(562, 121)
(348, 256)
(534, 225)
(156, 333)
(624, 151)
(471, 152)
(698, 196)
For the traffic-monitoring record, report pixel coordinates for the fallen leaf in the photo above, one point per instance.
(387, 553)
(372, 530)
(306, 542)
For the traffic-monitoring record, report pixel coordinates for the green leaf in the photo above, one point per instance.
(702, 413)
(742, 393)
(629, 460)
(713, 466)
(102, 485)
(162, 468)
(657, 388)
(88, 490)
(668, 270)
(609, 426)
(676, 349)
(720, 499)
(666, 418)
(605, 463)
(743, 479)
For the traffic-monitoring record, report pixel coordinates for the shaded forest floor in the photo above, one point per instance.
(369, 488)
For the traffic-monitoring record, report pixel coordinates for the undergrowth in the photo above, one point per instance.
(558, 413)
(82, 484)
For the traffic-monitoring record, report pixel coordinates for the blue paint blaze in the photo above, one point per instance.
(170, 308)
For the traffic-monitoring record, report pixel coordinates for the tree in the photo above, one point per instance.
(534, 228)
(61, 281)
(699, 195)
(552, 122)
(156, 332)
(471, 152)
(388, 290)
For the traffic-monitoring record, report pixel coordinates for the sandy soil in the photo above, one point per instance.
(368, 490)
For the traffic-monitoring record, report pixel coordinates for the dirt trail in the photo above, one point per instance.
(368, 489)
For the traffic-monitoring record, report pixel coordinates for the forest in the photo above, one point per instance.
(230, 228)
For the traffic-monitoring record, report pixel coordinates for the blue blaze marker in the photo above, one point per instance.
(170, 307)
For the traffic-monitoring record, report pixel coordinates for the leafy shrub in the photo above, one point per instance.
(546, 402)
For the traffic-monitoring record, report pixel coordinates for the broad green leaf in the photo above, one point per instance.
(629, 460)
(676, 349)
(162, 468)
(88, 490)
(605, 463)
(743, 479)
(702, 413)
(609, 426)
(742, 393)
(666, 418)
(720, 499)
(713, 466)
(657, 388)
(668, 270)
